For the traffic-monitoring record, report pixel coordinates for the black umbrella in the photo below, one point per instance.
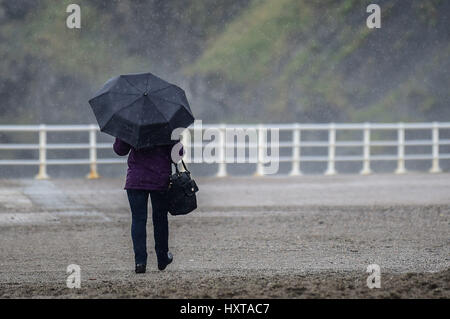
(141, 109)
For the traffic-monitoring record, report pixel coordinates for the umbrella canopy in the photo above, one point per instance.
(141, 109)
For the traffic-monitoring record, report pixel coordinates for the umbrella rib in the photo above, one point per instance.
(121, 110)
(171, 102)
(124, 93)
(132, 84)
(107, 92)
(162, 88)
(146, 84)
(168, 122)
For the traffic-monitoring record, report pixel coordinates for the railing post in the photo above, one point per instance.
(222, 170)
(400, 149)
(260, 161)
(296, 138)
(331, 150)
(42, 174)
(435, 161)
(93, 174)
(366, 156)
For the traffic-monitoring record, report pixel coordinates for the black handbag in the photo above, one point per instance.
(181, 192)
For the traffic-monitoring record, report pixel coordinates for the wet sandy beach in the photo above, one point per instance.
(275, 237)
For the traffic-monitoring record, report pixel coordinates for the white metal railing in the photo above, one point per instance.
(295, 143)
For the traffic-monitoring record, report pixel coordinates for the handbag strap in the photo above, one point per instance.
(184, 166)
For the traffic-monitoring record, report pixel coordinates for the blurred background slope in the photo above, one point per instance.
(240, 61)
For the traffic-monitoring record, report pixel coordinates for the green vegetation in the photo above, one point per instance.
(324, 64)
(240, 61)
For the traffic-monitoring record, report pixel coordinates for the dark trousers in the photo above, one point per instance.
(138, 203)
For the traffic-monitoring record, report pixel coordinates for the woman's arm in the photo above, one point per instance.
(121, 148)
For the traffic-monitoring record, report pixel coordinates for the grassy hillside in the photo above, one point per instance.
(46, 65)
(317, 61)
(240, 60)
(48, 72)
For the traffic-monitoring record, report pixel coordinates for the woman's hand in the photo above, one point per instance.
(121, 148)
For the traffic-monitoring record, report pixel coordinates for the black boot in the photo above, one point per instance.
(140, 268)
(164, 260)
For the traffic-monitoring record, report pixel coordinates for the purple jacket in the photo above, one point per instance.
(148, 169)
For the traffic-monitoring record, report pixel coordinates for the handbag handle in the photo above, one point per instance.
(184, 166)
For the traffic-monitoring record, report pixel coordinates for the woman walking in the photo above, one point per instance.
(148, 174)
(140, 111)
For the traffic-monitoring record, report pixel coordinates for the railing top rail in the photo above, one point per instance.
(339, 126)
(50, 127)
(281, 126)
